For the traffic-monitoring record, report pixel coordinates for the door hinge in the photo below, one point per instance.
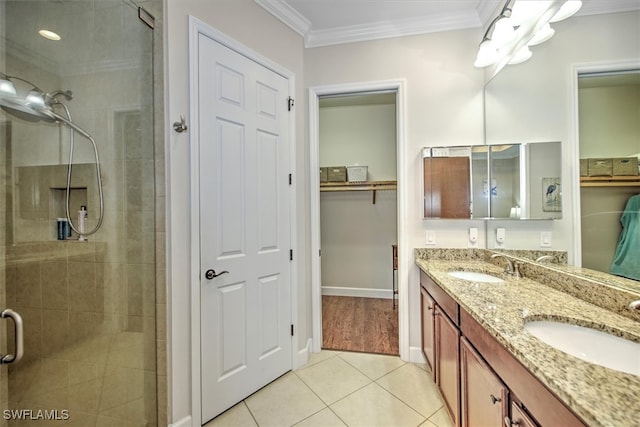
(290, 179)
(290, 254)
(291, 330)
(147, 18)
(290, 102)
(319, 252)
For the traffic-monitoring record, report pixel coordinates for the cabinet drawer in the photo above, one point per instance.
(448, 304)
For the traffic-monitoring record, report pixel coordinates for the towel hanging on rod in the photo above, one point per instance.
(626, 260)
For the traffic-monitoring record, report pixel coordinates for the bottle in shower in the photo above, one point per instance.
(82, 222)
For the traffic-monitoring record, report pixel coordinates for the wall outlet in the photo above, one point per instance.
(430, 237)
(545, 239)
(473, 237)
(500, 236)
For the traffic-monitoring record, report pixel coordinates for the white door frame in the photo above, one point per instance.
(574, 146)
(405, 256)
(197, 27)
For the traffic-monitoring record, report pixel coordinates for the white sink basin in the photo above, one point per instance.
(588, 344)
(473, 276)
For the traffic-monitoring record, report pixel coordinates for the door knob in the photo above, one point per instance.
(211, 274)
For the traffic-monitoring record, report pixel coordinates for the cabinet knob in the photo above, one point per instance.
(509, 423)
(495, 399)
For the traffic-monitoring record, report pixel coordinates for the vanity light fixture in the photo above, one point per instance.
(521, 24)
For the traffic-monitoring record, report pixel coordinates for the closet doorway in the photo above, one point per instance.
(608, 130)
(357, 156)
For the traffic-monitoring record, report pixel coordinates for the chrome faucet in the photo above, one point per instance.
(551, 258)
(511, 268)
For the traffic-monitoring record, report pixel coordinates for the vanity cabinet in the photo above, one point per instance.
(481, 383)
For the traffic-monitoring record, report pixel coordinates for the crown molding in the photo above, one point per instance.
(487, 10)
(287, 14)
(389, 29)
(603, 7)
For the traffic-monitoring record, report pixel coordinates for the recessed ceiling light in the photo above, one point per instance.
(49, 35)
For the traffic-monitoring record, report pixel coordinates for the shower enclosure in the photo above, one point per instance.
(81, 348)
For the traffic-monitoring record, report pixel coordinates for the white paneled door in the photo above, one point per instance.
(245, 286)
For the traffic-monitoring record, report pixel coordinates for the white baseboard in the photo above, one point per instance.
(303, 355)
(184, 422)
(357, 292)
(415, 355)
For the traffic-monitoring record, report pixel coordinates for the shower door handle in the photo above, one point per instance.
(19, 337)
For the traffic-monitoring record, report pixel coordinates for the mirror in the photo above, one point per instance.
(538, 101)
(526, 181)
(511, 181)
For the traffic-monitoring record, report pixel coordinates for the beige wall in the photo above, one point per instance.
(249, 24)
(609, 121)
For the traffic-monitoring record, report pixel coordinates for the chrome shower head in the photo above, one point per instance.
(28, 104)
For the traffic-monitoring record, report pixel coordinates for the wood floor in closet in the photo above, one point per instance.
(368, 325)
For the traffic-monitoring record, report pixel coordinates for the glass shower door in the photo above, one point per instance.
(84, 96)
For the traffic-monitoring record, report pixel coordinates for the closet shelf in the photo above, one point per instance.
(610, 181)
(359, 186)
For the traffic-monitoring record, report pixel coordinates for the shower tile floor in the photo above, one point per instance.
(343, 389)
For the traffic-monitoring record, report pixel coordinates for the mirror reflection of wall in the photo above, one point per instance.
(505, 181)
(542, 168)
(609, 117)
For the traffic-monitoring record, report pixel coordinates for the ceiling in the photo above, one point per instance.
(329, 22)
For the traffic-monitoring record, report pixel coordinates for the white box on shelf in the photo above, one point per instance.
(356, 173)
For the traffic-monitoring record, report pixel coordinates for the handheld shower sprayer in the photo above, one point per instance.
(35, 105)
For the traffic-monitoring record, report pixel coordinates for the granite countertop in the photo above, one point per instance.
(599, 395)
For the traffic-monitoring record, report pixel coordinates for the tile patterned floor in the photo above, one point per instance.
(343, 389)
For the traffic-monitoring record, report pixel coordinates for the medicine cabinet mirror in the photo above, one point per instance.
(509, 181)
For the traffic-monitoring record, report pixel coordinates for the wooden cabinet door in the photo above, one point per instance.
(484, 398)
(447, 363)
(428, 333)
(519, 417)
(447, 187)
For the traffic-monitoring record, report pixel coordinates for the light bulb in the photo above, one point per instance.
(503, 32)
(7, 88)
(35, 100)
(521, 55)
(487, 54)
(542, 35)
(524, 11)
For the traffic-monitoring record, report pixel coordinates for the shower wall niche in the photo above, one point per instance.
(41, 199)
